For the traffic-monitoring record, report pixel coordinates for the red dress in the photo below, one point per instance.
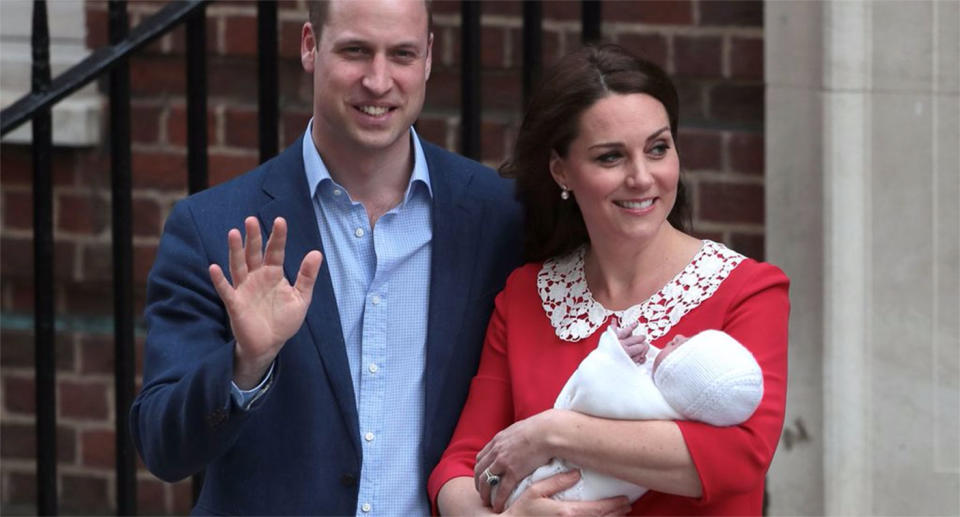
(524, 365)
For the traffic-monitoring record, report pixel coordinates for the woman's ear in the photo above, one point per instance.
(558, 170)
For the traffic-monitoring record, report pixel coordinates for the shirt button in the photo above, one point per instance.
(374, 368)
(375, 300)
(358, 232)
(368, 437)
(366, 507)
(337, 192)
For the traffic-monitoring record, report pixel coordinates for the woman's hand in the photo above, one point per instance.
(512, 454)
(536, 500)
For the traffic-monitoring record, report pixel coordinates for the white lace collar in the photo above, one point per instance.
(576, 315)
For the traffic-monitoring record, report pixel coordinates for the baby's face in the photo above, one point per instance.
(671, 346)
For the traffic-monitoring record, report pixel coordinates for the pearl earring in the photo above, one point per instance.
(564, 193)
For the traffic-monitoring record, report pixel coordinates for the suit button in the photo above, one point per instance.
(348, 480)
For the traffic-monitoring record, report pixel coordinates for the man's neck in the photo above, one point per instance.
(376, 178)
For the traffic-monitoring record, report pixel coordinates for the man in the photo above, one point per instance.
(306, 383)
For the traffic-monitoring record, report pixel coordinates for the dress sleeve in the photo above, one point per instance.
(731, 460)
(489, 406)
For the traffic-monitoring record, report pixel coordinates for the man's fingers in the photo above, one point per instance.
(220, 283)
(253, 248)
(238, 264)
(276, 243)
(307, 276)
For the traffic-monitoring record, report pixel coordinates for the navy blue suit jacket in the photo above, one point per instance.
(297, 450)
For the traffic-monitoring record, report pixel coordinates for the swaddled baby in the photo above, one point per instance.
(709, 378)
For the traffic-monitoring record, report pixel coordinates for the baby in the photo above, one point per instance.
(709, 378)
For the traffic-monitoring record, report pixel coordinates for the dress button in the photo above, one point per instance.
(375, 300)
(374, 368)
(366, 507)
(337, 192)
(358, 232)
(348, 480)
(368, 437)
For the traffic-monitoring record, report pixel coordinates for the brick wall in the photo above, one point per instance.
(714, 50)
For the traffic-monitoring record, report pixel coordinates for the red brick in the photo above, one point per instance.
(83, 400)
(750, 244)
(145, 124)
(713, 236)
(84, 493)
(691, 101)
(96, 354)
(240, 36)
(561, 11)
(659, 12)
(500, 7)
(433, 130)
(737, 102)
(99, 448)
(18, 395)
(86, 298)
(233, 78)
(147, 218)
(501, 90)
(746, 153)
(159, 169)
(22, 488)
(652, 47)
(746, 58)
(697, 56)
(732, 12)
(445, 7)
(177, 125)
(293, 125)
(97, 27)
(242, 127)
(224, 167)
(288, 34)
(151, 497)
(17, 210)
(16, 165)
(143, 256)
(700, 150)
(97, 262)
(443, 89)
(296, 86)
(178, 37)
(492, 47)
(492, 142)
(552, 49)
(157, 75)
(17, 258)
(730, 203)
(82, 213)
(19, 441)
(18, 349)
(447, 38)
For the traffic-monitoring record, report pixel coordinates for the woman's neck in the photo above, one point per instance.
(622, 276)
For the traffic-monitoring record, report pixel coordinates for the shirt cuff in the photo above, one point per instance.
(246, 398)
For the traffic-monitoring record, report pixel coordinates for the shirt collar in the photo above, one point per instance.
(317, 172)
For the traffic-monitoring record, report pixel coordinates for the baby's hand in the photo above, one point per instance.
(635, 346)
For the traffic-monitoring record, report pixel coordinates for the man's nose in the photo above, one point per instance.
(377, 77)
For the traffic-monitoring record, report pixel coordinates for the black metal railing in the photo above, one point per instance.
(113, 60)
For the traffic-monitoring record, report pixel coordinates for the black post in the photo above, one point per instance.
(43, 272)
(124, 348)
(269, 109)
(591, 19)
(532, 46)
(197, 100)
(470, 79)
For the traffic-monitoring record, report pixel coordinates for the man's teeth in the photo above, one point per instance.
(375, 111)
(635, 205)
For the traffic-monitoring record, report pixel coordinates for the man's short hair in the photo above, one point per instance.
(320, 8)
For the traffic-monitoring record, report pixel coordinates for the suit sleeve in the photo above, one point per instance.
(185, 416)
(489, 406)
(732, 460)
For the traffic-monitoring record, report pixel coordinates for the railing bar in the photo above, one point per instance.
(44, 353)
(532, 46)
(591, 19)
(269, 108)
(470, 79)
(97, 63)
(122, 228)
(197, 101)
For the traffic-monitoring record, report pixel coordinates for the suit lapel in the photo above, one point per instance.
(286, 184)
(456, 217)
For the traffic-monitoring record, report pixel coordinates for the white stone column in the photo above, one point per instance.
(863, 188)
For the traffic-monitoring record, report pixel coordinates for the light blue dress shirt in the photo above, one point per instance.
(381, 279)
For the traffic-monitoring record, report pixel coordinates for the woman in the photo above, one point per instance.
(598, 171)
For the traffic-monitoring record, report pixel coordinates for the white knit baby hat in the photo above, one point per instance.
(711, 378)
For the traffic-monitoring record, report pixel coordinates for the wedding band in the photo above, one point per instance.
(491, 479)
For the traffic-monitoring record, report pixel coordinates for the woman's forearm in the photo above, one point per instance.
(649, 453)
(459, 497)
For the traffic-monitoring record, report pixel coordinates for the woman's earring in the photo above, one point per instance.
(564, 193)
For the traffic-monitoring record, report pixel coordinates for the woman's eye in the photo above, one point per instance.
(659, 149)
(607, 158)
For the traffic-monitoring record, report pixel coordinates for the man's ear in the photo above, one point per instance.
(429, 63)
(558, 169)
(308, 47)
